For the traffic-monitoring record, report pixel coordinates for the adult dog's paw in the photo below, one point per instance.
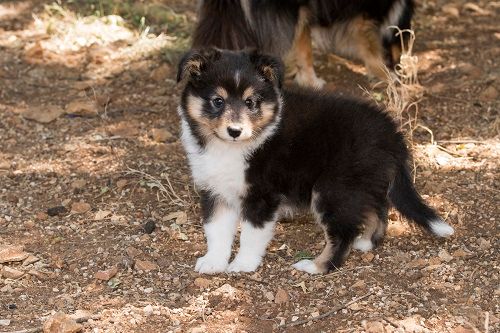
(210, 264)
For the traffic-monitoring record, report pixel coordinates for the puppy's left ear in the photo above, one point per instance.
(271, 68)
(195, 62)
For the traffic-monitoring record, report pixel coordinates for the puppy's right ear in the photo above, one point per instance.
(195, 62)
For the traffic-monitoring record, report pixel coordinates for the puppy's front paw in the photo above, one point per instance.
(307, 266)
(210, 264)
(244, 264)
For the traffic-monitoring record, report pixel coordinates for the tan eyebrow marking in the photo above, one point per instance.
(222, 92)
(248, 93)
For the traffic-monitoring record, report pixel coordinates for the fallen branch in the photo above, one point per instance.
(329, 313)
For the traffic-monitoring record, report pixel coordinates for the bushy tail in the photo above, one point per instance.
(409, 203)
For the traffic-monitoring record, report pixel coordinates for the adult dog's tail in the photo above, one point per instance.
(406, 199)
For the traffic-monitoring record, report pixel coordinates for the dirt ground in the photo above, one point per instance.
(99, 217)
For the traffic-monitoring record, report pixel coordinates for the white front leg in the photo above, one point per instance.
(220, 229)
(253, 244)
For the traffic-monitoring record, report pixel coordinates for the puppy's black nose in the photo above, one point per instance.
(234, 132)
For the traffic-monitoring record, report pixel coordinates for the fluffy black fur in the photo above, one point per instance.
(342, 157)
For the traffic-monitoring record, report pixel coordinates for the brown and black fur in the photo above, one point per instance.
(287, 28)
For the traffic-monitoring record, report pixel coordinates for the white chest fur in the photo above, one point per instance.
(220, 167)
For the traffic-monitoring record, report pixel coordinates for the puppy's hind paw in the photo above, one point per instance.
(363, 245)
(307, 266)
(210, 264)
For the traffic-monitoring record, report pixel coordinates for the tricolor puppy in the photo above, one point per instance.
(255, 149)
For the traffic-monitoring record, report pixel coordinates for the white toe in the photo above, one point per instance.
(209, 264)
(362, 244)
(307, 266)
(441, 228)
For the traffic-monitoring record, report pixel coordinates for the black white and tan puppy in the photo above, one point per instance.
(256, 149)
(356, 29)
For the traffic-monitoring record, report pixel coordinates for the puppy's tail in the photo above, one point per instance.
(408, 202)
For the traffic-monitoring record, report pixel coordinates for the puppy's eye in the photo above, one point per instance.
(249, 103)
(218, 103)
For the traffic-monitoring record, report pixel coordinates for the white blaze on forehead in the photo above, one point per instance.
(237, 78)
(194, 106)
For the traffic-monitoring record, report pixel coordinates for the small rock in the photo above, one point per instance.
(227, 290)
(281, 296)
(30, 260)
(101, 215)
(460, 253)
(160, 134)
(43, 114)
(11, 273)
(451, 10)
(5, 165)
(57, 210)
(61, 323)
(269, 295)
(145, 265)
(148, 310)
(81, 315)
(107, 274)
(12, 253)
(295, 318)
(489, 94)
(82, 108)
(483, 244)
(420, 262)
(202, 282)
(476, 9)
(315, 314)
(355, 307)
(149, 227)
(80, 207)
(359, 284)
(132, 252)
(41, 216)
(148, 290)
(121, 183)
(444, 255)
(4, 322)
(374, 327)
(180, 217)
(78, 184)
(367, 257)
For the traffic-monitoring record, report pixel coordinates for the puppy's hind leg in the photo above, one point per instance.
(374, 230)
(341, 221)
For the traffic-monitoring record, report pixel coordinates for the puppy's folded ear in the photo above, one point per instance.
(195, 62)
(271, 68)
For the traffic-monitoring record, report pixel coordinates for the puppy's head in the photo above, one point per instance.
(230, 96)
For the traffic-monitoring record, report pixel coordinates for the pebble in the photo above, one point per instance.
(148, 310)
(145, 265)
(4, 322)
(43, 114)
(281, 296)
(149, 227)
(12, 253)
(106, 275)
(269, 295)
(61, 323)
(367, 257)
(161, 73)
(57, 210)
(374, 327)
(445, 256)
(82, 108)
(451, 10)
(11, 273)
(78, 184)
(202, 282)
(80, 207)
